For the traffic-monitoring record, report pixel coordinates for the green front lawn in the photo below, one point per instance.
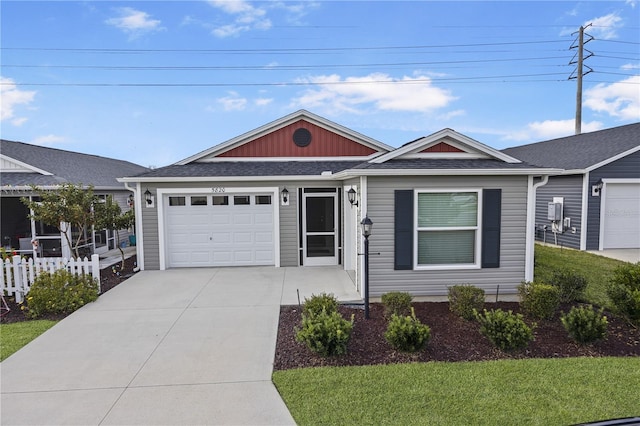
(514, 392)
(14, 336)
(596, 269)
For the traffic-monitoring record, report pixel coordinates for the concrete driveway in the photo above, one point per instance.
(187, 346)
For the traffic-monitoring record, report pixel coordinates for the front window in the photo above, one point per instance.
(447, 230)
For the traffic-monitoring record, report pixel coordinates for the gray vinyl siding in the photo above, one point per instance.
(122, 198)
(569, 187)
(289, 241)
(383, 277)
(624, 168)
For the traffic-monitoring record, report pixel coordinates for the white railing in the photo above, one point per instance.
(19, 273)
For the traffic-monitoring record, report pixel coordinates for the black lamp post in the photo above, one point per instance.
(367, 227)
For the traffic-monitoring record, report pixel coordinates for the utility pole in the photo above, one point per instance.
(580, 74)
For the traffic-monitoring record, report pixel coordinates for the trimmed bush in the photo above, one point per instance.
(60, 293)
(505, 330)
(326, 333)
(624, 292)
(464, 299)
(396, 302)
(585, 324)
(570, 284)
(407, 333)
(539, 300)
(317, 304)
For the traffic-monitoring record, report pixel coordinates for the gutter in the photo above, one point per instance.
(137, 210)
(530, 230)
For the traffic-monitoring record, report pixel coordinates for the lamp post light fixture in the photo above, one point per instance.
(367, 228)
(352, 195)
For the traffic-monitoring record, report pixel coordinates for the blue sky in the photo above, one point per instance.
(154, 82)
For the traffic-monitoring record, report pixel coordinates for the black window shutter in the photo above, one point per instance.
(403, 217)
(491, 217)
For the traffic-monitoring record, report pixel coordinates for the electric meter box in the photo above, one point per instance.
(554, 212)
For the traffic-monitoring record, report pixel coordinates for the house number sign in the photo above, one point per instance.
(218, 190)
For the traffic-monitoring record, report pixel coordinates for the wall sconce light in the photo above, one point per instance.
(147, 196)
(284, 194)
(597, 188)
(130, 200)
(352, 195)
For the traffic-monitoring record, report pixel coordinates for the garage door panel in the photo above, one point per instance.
(220, 235)
(621, 227)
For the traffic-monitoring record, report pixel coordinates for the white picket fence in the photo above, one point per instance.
(18, 273)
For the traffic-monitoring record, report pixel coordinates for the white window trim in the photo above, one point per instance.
(478, 228)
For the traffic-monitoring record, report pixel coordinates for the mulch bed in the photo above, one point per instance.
(109, 278)
(452, 339)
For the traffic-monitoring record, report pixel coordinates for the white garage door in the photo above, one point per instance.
(621, 226)
(219, 230)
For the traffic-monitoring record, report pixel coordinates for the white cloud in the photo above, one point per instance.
(620, 100)
(383, 92)
(551, 129)
(246, 17)
(10, 97)
(632, 3)
(605, 27)
(627, 67)
(134, 22)
(48, 140)
(233, 102)
(263, 101)
(451, 114)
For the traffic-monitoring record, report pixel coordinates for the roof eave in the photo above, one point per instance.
(447, 172)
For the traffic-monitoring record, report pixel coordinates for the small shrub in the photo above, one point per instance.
(464, 299)
(539, 300)
(505, 330)
(317, 304)
(570, 284)
(396, 302)
(325, 333)
(585, 324)
(60, 293)
(624, 292)
(407, 333)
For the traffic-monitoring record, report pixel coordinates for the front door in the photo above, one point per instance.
(320, 224)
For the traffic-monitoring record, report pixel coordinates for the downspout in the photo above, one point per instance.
(531, 220)
(137, 210)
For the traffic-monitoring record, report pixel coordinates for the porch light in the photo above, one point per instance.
(147, 196)
(351, 194)
(130, 200)
(285, 196)
(595, 189)
(367, 227)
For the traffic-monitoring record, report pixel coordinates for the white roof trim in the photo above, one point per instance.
(612, 159)
(24, 165)
(280, 123)
(266, 159)
(445, 172)
(227, 178)
(436, 137)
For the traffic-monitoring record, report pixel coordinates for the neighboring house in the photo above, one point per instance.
(446, 209)
(599, 189)
(23, 165)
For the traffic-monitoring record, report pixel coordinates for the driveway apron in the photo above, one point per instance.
(187, 346)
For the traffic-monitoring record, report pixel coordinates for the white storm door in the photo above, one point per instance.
(320, 225)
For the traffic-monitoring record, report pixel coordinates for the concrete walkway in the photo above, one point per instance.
(626, 255)
(187, 346)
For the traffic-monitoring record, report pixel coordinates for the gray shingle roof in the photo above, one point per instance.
(66, 166)
(580, 151)
(251, 168)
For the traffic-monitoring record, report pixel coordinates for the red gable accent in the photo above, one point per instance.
(442, 147)
(280, 144)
